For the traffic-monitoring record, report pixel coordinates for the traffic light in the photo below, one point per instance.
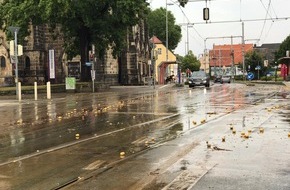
(206, 14)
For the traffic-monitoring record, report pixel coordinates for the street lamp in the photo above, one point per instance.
(166, 32)
(15, 30)
(166, 23)
(276, 71)
(187, 43)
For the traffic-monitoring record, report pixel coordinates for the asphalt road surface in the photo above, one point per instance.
(229, 136)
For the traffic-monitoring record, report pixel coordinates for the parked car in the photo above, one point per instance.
(226, 79)
(218, 78)
(199, 78)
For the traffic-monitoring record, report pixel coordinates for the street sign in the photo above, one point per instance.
(88, 64)
(258, 67)
(250, 76)
(70, 83)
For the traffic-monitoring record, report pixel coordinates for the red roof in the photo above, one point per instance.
(221, 54)
(155, 40)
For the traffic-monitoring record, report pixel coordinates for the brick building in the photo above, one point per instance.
(224, 59)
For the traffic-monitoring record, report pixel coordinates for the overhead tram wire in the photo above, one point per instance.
(274, 10)
(189, 22)
(176, 3)
(236, 21)
(267, 13)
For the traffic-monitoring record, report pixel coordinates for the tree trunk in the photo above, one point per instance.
(84, 43)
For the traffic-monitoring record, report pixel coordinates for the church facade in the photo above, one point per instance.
(44, 59)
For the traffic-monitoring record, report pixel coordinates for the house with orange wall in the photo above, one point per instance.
(163, 67)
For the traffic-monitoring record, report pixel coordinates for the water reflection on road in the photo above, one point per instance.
(105, 124)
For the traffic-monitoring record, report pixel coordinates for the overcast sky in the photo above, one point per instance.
(267, 31)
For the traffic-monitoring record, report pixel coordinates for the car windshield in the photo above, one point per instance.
(198, 74)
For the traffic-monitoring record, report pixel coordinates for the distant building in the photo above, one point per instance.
(163, 67)
(224, 59)
(268, 51)
(204, 62)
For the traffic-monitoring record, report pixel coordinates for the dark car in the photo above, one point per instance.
(218, 78)
(199, 78)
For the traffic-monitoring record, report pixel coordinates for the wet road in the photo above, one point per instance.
(75, 141)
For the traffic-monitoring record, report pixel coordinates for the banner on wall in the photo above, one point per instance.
(51, 64)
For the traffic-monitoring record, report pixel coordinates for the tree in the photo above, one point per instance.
(157, 27)
(183, 2)
(102, 23)
(285, 46)
(253, 60)
(190, 62)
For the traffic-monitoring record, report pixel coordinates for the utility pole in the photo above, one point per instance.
(166, 32)
(187, 43)
(243, 49)
(232, 57)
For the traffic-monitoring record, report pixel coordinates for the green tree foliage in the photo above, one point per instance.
(183, 2)
(83, 22)
(157, 27)
(190, 62)
(283, 48)
(252, 60)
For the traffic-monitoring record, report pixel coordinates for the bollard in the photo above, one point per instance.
(48, 90)
(19, 91)
(35, 90)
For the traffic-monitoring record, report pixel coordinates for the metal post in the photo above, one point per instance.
(48, 90)
(166, 32)
(204, 54)
(243, 49)
(187, 43)
(232, 57)
(19, 90)
(258, 71)
(93, 74)
(15, 30)
(35, 90)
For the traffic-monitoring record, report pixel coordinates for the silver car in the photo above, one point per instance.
(226, 79)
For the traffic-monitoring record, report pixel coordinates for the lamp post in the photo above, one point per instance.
(166, 32)
(187, 43)
(276, 71)
(15, 30)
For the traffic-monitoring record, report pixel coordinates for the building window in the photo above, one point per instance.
(27, 63)
(159, 51)
(3, 62)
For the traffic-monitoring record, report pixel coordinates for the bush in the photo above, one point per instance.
(238, 77)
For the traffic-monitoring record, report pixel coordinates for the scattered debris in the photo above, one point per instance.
(223, 149)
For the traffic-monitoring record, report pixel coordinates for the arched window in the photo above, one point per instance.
(3, 62)
(27, 63)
